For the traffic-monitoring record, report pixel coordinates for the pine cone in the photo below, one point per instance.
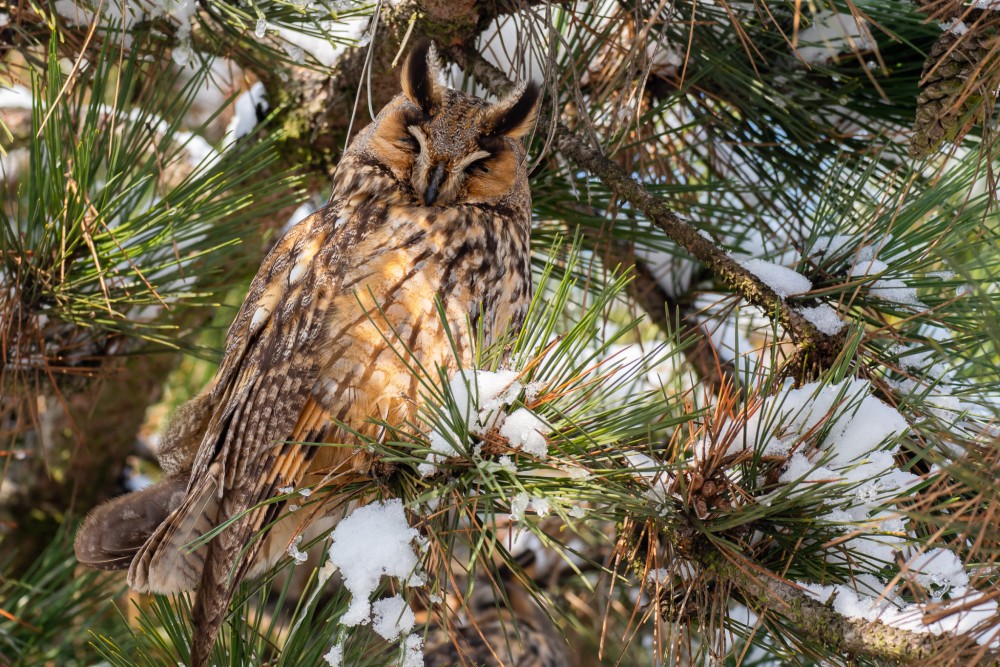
(956, 80)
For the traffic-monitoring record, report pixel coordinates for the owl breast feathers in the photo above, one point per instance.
(430, 203)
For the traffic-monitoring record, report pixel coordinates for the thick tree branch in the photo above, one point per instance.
(820, 623)
(322, 104)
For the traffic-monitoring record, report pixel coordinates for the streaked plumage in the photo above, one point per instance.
(430, 201)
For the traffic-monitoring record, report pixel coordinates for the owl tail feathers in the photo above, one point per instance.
(166, 563)
(114, 532)
(228, 560)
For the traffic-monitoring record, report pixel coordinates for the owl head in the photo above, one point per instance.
(446, 147)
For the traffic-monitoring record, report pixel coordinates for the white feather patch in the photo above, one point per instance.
(259, 317)
(298, 270)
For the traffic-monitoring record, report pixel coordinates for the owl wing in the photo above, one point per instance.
(263, 408)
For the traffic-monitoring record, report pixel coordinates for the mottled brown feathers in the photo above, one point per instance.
(112, 534)
(319, 338)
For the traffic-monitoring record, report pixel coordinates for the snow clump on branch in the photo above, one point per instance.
(375, 541)
(481, 398)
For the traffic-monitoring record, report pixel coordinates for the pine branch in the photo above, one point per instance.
(322, 104)
(804, 333)
(839, 634)
(667, 312)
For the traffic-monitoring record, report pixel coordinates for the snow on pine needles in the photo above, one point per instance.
(479, 400)
(840, 436)
(373, 542)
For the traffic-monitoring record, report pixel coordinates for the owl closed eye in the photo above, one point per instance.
(451, 148)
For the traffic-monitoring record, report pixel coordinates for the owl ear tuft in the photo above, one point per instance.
(515, 116)
(419, 77)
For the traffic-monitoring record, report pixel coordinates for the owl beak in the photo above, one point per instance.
(434, 184)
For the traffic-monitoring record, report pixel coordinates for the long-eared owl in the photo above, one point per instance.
(430, 205)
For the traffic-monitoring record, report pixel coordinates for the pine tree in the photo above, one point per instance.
(752, 417)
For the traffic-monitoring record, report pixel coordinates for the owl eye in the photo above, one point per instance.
(410, 142)
(478, 167)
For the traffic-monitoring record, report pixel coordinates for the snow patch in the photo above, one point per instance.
(824, 318)
(830, 35)
(784, 281)
(248, 109)
(393, 617)
(481, 398)
(16, 97)
(889, 289)
(373, 541)
(526, 432)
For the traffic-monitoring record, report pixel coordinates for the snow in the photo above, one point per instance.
(859, 432)
(413, 651)
(248, 109)
(507, 464)
(833, 245)
(955, 26)
(373, 541)
(824, 318)
(541, 506)
(831, 34)
(728, 327)
(650, 472)
(911, 617)
(260, 29)
(393, 617)
(518, 505)
(216, 83)
(526, 432)
(335, 657)
(817, 592)
(12, 164)
(784, 281)
(858, 450)
(889, 289)
(801, 469)
(521, 541)
(201, 154)
(15, 97)
(481, 398)
(658, 576)
(674, 273)
(322, 48)
(494, 389)
(938, 571)
(855, 450)
(304, 210)
(293, 551)
(127, 14)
